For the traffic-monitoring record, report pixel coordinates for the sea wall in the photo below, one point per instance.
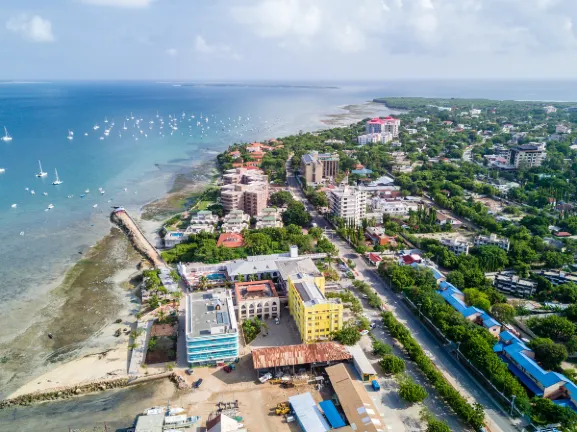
(81, 389)
(123, 220)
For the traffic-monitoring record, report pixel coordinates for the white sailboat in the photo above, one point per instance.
(70, 135)
(57, 181)
(6, 137)
(41, 173)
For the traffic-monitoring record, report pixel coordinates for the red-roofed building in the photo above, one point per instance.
(230, 240)
(234, 154)
(388, 124)
(374, 259)
(410, 259)
(562, 234)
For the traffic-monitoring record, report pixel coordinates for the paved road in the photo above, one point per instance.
(449, 366)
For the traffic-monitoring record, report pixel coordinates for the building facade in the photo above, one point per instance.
(316, 317)
(528, 155)
(318, 167)
(379, 125)
(349, 203)
(235, 221)
(374, 138)
(211, 328)
(257, 299)
(493, 240)
(514, 285)
(457, 246)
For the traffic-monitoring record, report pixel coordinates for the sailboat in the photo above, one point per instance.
(70, 135)
(41, 173)
(6, 137)
(57, 181)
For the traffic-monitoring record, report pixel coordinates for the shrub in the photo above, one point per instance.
(392, 364)
(412, 392)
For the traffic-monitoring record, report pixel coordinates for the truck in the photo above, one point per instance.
(376, 385)
(265, 377)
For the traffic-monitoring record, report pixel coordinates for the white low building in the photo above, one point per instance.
(393, 207)
(375, 138)
(492, 240)
(457, 246)
(269, 218)
(235, 222)
(204, 217)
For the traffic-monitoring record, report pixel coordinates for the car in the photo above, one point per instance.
(365, 296)
(365, 332)
(197, 383)
(276, 321)
(373, 325)
(189, 371)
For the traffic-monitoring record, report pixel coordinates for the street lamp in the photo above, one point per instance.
(419, 304)
(512, 403)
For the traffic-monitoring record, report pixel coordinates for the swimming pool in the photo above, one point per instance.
(176, 234)
(215, 276)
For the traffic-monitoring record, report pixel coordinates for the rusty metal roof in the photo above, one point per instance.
(292, 355)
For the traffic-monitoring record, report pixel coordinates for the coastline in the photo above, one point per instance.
(94, 353)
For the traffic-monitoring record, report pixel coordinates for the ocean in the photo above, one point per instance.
(137, 165)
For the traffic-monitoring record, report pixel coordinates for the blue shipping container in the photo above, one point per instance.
(376, 386)
(332, 415)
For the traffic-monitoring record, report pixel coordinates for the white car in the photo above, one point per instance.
(365, 332)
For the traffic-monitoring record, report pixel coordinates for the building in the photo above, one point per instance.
(528, 155)
(172, 238)
(359, 409)
(375, 138)
(362, 364)
(457, 300)
(514, 285)
(230, 240)
(204, 217)
(318, 167)
(348, 203)
(243, 176)
(291, 358)
(379, 125)
(393, 207)
(245, 190)
(557, 277)
(562, 129)
(211, 328)
(223, 423)
(493, 240)
(410, 259)
(256, 299)
(549, 109)
(521, 362)
(307, 413)
(378, 237)
(457, 246)
(235, 222)
(316, 317)
(443, 218)
(269, 218)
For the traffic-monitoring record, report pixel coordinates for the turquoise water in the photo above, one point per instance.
(215, 276)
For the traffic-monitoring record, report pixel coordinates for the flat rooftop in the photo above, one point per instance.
(256, 289)
(210, 313)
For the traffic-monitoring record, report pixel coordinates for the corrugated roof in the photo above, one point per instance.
(309, 415)
(292, 355)
(361, 413)
(331, 413)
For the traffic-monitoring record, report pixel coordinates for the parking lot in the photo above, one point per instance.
(285, 333)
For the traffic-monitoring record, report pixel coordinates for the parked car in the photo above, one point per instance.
(198, 383)
(365, 332)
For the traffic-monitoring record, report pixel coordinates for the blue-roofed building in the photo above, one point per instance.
(332, 415)
(456, 298)
(308, 414)
(521, 362)
(439, 277)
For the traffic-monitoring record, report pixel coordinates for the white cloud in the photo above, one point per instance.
(217, 50)
(127, 4)
(33, 29)
(172, 52)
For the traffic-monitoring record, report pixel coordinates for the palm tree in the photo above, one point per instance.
(203, 282)
(253, 277)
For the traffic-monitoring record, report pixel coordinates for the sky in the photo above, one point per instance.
(310, 40)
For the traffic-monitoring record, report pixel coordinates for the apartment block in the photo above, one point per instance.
(251, 198)
(492, 240)
(379, 125)
(318, 167)
(269, 218)
(393, 207)
(375, 138)
(514, 285)
(528, 155)
(349, 203)
(211, 328)
(235, 221)
(316, 317)
(457, 246)
(557, 277)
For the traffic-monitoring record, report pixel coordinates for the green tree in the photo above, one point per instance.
(392, 364)
(559, 329)
(152, 343)
(348, 335)
(380, 348)
(491, 258)
(503, 312)
(554, 259)
(203, 282)
(412, 392)
(316, 233)
(281, 198)
(548, 353)
(435, 425)
(474, 297)
(296, 214)
(546, 412)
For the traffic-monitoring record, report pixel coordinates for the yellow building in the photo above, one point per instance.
(316, 316)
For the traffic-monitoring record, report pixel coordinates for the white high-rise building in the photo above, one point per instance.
(348, 203)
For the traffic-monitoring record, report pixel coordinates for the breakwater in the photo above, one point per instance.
(68, 392)
(122, 219)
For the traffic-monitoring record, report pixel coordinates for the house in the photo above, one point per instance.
(269, 218)
(378, 237)
(256, 299)
(230, 240)
(443, 218)
(562, 129)
(562, 234)
(456, 299)
(409, 259)
(374, 259)
(235, 222)
(520, 360)
(493, 240)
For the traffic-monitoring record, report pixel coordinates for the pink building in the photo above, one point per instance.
(379, 125)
